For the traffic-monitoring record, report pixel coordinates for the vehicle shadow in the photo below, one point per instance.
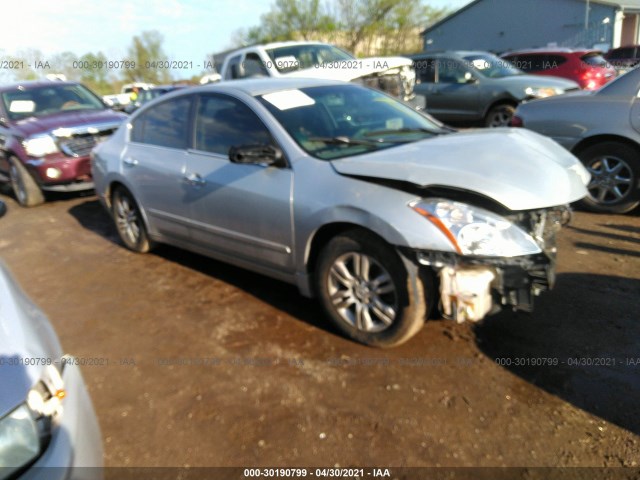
(282, 296)
(580, 344)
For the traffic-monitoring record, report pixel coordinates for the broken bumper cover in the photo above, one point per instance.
(472, 287)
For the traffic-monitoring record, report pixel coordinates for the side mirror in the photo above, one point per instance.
(257, 154)
(469, 78)
(3, 208)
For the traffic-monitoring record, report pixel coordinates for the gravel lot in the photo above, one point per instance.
(193, 362)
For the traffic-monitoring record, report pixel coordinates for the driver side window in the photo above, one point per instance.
(451, 71)
(223, 122)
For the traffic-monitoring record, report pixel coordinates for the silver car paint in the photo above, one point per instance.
(25, 332)
(614, 110)
(319, 195)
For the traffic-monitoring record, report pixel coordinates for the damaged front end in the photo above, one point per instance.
(398, 82)
(473, 286)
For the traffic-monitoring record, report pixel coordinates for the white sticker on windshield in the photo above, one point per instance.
(393, 124)
(288, 99)
(22, 106)
(481, 64)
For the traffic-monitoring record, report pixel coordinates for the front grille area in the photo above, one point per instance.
(399, 84)
(81, 145)
(543, 226)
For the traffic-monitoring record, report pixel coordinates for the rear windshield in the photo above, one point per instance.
(594, 59)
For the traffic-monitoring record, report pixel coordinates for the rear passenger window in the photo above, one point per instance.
(164, 125)
(223, 122)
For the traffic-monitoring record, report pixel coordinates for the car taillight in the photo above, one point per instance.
(516, 121)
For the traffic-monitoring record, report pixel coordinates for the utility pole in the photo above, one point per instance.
(586, 16)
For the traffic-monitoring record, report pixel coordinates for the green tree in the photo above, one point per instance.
(146, 49)
(93, 73)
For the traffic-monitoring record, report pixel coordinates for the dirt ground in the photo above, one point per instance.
(203, 364)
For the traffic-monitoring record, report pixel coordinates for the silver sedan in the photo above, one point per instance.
(376, 209)
(603, 130)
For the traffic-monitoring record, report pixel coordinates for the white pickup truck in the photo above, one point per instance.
(119, 101)
(394, 75)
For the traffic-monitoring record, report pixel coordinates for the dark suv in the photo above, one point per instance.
(47, 130)
(467, 86)
(624, 58)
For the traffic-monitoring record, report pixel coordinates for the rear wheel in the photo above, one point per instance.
(129, 222)
(615, 174)
(499, 116)
(368, 292)
(24, 186)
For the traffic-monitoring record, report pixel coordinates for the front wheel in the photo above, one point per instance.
(24, 186)
(368, 292)
(499, 116)
(129, 222)
(615, 174)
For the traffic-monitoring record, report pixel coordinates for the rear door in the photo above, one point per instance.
(154, 163)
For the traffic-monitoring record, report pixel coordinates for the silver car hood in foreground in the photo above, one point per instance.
(517, 168)
(25, 333)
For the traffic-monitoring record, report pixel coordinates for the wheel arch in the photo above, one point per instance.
(597, 139)
(512, 102)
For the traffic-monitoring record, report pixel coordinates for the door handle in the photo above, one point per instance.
(194, 179)
(130, 162)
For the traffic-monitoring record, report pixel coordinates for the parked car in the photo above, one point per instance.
(47, 130)
(586, 67)
(466, 86)
(393, 75)
(48, 427)
(603, 130)
(147, 95)
(624, 58)
(347, 193)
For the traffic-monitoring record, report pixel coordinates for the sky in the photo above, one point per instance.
(192, 29)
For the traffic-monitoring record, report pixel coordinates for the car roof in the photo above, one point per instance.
(260, 86)
(571, 51)
(29, 84)
(444, 53)
(268, 46)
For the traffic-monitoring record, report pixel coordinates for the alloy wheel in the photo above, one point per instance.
(362, 292)
(127, 219)
(611, 179)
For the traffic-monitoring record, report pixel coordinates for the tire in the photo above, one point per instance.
(25, 188)
(615, 177)
(129, 222)
(347, 290)
(499, 116)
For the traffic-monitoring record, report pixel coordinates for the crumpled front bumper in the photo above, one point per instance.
(473, 287)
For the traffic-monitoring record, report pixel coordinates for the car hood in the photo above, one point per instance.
(519, 169)
(25, 333)
(348, 70)
(37, 125)
(538, 81)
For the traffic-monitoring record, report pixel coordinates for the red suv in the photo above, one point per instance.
(47, 130)
(587, 67)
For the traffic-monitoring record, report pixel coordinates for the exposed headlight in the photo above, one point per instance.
(19, 440)
(23, 430)
(475, 231)
(40, 146)
(542, 92)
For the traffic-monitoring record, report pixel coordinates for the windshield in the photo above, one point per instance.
(492, 66)
(337, 121)
(299, 57)
(33, 102)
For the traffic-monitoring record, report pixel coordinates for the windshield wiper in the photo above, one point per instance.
(391, 131)
(341, 140)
